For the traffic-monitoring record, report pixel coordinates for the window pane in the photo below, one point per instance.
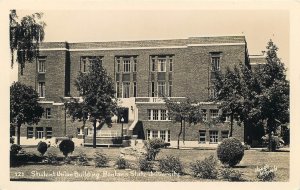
(39, 133)
(202, 136)
(163, 135)
(161, 89)
(155, 114)
(154, 134)
(41, 89)
(163, 114)
(126, 90)
(126, 63)
(161, 65)
(29, 132)
(134, 90)
(48, 132)
(225, 134)
(171, 64)
(213, 136)
(149, 114)
(214, 113)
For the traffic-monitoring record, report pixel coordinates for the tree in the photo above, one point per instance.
(184, 111)
(260, 97)
(97, 91)
(274, 99)
(24, 106)
(25, 36)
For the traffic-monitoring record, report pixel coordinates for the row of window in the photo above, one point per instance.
(39, 132)
(158, 115)
(157, 63)
(162, 134)
(213, 136)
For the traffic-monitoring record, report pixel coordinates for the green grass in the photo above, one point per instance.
(251, 160)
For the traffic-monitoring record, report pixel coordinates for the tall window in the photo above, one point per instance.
(154, 134)
(134, 89)
(153, 64)
(215, 62)
(29, 132)
(86, 61)
(39, 133)
(213, 136)
(163, 114)
(48, 132)
(48, 113)
(161, 88)
(126, 65)
(170, 88)
(202, 136)
(42, 65)
(204, 115)
(171, 64)
(155, 115)
(161, 65)
(152, 89)
(118, 90)
(118, 64)
(134, 64)
(41, 89)
(214, 113)
(126, 89)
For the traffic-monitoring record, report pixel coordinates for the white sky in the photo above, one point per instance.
(121, 25)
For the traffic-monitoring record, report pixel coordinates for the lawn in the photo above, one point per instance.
(71, 172)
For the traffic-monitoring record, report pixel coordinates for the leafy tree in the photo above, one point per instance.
(274, 99)
(184, 111)
(256, 98)
(24, 106)
(97, 91)
(25, 36)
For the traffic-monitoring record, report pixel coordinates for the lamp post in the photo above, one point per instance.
(122, 121)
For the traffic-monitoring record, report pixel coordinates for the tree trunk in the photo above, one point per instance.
(178, 139)
(231, 125)
(94, 135)
(18, 133)
(183, 134)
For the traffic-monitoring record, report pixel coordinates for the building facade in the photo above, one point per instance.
(142, 71)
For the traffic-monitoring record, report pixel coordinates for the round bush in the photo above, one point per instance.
(42, 147)
(230, 151)
(66, 146)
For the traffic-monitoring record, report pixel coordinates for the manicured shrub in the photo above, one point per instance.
(101, 159)
(146, 165)
(15, 149)
(51, 159)
(42, 147)
(153, 147)
(231, 175)
(82, 159)
(66, 146)
(206, 168)
(170, 164)
(230, 152)
(266, 173)
(121, 163)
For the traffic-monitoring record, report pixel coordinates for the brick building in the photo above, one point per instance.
(142, 71)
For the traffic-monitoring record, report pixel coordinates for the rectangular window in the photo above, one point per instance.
(161, 89)
(42, 65)
(171, 64)
(41, 89)
(149, 114)
(29, 132)
(163, 114)
(134, 90)
(202, 136)
(118, 64)
(214, 113)
(39, 133)
(148, 134)
(204, 115)
(225, 134)
(152, 89)
(134, 64)
(48, 113)
(162, 135)
(126, 65)
(215, 63)
(78, 131)
(161, 65)
(213, 136)
(118, 90)
(153, 64)
(170, 88)
(48, 132)
(155, 115)
(126, 89)
(212, 92)
(154, 134)
(169, 135)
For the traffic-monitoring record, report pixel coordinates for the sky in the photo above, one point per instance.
(259, 26)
